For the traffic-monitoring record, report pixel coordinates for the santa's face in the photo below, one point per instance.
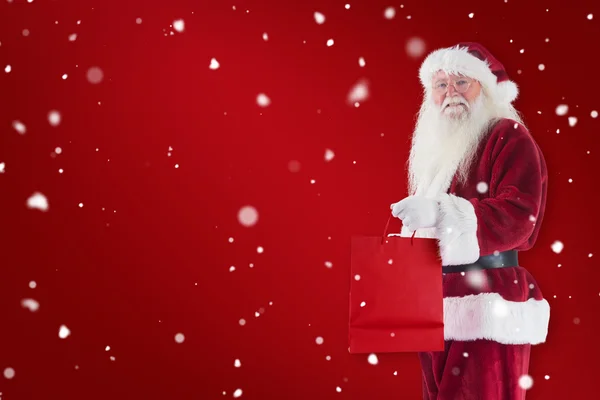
(454, 94)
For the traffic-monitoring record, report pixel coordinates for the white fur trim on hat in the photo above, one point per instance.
(457, 60)
(489, 316)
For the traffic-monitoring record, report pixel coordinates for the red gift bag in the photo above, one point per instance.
(396, 300)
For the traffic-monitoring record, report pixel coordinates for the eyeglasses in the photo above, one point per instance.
(461, 85)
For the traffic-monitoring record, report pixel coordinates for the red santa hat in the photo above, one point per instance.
(475, 61)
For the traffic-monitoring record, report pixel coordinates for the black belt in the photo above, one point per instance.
(503, 259)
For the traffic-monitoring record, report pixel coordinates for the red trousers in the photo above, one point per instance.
(475, 370)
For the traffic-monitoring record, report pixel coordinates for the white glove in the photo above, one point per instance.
(416, 212)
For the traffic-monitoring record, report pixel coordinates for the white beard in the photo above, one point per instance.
(444, 146)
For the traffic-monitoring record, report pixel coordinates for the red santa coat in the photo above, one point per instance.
(506, 306)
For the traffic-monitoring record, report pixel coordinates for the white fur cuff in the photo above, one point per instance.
(457, 231)
(489, 316)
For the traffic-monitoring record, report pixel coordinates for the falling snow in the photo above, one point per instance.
(562, 110)
(9, 373)
(95, 75)
(2, 166)
(32, 284)
(263, 100)
(31, 304)
(557, 246)
(594, 114)
(248, 216)
(357, 277)
(179, 338)
(319, 340)
(37, 201)
(19, 127)
(359, 92)
(214, 64)
(500, 308)
(415, 47)
(54, 118)
(63, 332)
(72, 37)
(389, 13)
(471, 15)
(328, 264)
(329, 42)
(476, 279)
(362, 304)
(482, 187)
(319, 17)
(329, 154)
(526, 382)
(372, 359)
(7, 69)
(572, 121)
(237, 363)
(179, 25)
(237, 393)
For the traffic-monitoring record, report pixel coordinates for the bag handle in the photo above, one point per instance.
(412, 238)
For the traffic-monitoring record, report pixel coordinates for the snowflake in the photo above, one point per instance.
(525, 382)
(95, 75)
(359, 92)
(54, 118)
(63, 332)
(319, 340)
(372, 359)
(415, 47)
(482, 187)
(389, 13)
(319, 17)
(562, 109)
(361, 61)
(248, 216)
(329, 42)
(31, 304)
(37, 201)
(557, 246)
(19, 127)
(263, 100)
(329, 155)
(214, 64)
(179, 338)
(9, 373)
(179, 25)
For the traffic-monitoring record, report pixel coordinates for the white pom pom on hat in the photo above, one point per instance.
(472, 60)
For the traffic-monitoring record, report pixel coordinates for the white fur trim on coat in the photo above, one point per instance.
(457, 60)
(457, 231)
(489, 316)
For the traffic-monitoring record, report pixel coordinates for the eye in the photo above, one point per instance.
(441, 85)
(462, 82)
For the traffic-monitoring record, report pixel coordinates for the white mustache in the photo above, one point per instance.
(454, 101)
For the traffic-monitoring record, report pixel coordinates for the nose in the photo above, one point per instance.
(451, 91)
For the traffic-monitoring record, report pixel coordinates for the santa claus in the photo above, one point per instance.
(477, 183)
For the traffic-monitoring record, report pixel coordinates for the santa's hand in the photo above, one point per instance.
(417, 212)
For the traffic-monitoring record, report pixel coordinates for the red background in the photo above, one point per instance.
(159, 265)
